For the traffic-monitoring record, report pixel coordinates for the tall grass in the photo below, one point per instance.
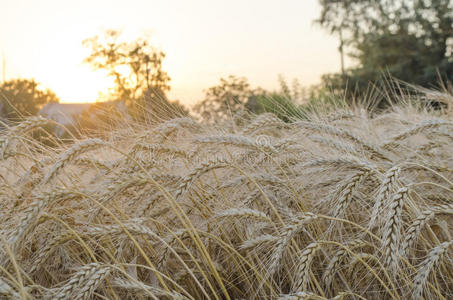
(355, 207)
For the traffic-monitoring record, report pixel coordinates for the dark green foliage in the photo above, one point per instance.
(278, 104)
(411, 40)
(234, 95)
(285, 103)
(228, 98)
(20, 98)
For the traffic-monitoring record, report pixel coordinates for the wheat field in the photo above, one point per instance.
(339, 205)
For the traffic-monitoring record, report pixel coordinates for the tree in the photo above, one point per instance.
(137, 71)
(135, 66)
(412, 40)
(234, 94)
(227, 98)
(23, 97)
(283, 103)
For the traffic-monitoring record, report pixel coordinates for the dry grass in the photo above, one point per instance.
(354, 207)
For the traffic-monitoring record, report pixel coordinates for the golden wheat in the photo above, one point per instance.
(347, 206)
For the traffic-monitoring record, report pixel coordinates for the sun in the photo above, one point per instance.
(62, 70)
(81, 85)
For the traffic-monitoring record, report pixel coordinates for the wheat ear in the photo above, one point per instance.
(431, 124)
(303, 267)
(392, 230)
(72, 153)
(334, 263)
(383, 194)
(158, 148)
(344, 134)
(138, 286)
(258, 241)
(76, 281)
(426, 267)
(263, 120)
(166, 128)
(32, 212)
(243, 213)
(28, 125)
(45, 252)
(301, 296)
(236, 140)
(420, 222)
(92, 283)
(197, 172)
(285, 237)
(347, 192)
(7, 291)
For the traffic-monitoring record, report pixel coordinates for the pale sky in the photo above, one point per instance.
(203, 40)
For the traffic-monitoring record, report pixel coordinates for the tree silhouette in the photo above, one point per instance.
(227, 98)
(412, 40)
(234, 95)
(137, 70)
(135, 66)
(23, 97)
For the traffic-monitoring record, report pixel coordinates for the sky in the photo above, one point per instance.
(204, 40)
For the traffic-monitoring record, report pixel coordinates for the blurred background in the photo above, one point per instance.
(212, 59)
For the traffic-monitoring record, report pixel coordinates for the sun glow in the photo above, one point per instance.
(61, 67)
(44, 42)
(79, 86)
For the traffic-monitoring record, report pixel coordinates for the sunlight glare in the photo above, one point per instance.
(61, 67)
